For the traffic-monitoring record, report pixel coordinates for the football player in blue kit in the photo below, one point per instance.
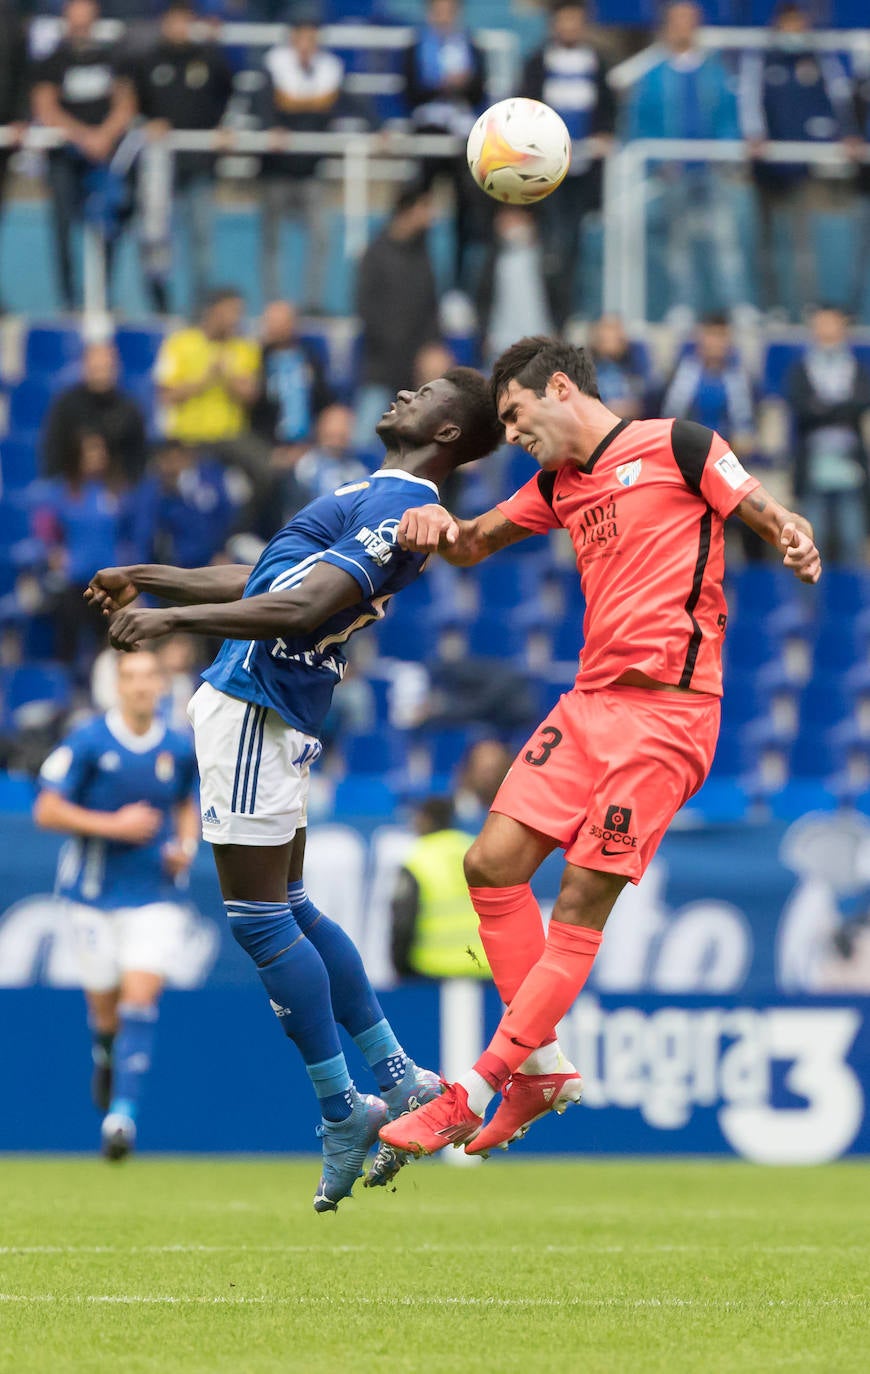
(257, 720)
(122, 787)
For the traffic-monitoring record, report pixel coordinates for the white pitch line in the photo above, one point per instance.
(707, 1304)
(425, 1249)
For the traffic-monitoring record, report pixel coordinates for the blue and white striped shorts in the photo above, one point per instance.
(253, 770)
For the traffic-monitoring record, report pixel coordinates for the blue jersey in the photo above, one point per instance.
(102, 765)
(353, 529)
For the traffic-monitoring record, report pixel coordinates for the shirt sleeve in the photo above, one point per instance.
(66, 769)
(709, 468)
(367, 549)
(532, 506)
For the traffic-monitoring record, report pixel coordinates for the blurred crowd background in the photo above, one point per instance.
(233, 229)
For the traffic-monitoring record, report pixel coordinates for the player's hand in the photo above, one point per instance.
(111, 589)
(425, 528)
(136, 823)
(801, 554)
(128, 629)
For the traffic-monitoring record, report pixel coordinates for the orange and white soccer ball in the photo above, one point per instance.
(519, 151)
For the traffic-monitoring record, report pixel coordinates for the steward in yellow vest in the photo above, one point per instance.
(434, 923)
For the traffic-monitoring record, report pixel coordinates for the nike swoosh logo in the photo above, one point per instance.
(521, 1044)
(612, 853)
(561, 498)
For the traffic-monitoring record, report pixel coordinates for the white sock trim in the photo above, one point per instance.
(480, 1093)
(547, 1059)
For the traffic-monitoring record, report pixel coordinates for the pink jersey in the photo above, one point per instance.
(646, 518)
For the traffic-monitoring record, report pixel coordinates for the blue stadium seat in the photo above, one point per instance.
(51, 349)
(28, 403)
(35, 682)
(17, 463)
(843, 592)
(824, 703)
(14, 524)
(778, 359)
(376, 753)
(839, 644)
(447, 748)
(137, 349)
(502, 583)
(402, 636)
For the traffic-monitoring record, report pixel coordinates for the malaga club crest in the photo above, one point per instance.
(629, 472)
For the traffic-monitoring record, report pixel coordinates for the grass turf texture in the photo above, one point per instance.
(202, 1265)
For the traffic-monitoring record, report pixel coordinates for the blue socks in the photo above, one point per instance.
(133, 1048)
(296, 979)
(354, 1003)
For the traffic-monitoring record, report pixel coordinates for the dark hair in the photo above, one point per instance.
(556, 5)
(532, 361)
(179, 7)
(436, 813)
(219, 294)
(716, 319)
(475, 414)
(408, 197)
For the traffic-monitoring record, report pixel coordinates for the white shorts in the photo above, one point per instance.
(253, 770)
(108, 944)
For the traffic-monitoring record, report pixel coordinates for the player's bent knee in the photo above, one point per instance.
(482, 866)
(587, 897)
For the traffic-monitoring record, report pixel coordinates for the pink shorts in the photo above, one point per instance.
(608, 770)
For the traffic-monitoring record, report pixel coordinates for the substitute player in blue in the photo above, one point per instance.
(257, 721)
(121, 787)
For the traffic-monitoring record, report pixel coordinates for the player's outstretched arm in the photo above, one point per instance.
(432, 529)
(113, 588)
(325, 591)
(787, 531)
(136, 823)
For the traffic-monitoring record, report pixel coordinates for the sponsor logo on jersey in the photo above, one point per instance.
(350, 488)
(210, 817)
(110, 762)
(379, 544)
(278, 1009)
(628, 473)
(614, 834)
(730, 467)
(164, 766)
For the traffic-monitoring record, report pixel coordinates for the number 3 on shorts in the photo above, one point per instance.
(550, 738)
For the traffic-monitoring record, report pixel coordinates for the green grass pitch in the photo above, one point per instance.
(551, 1265)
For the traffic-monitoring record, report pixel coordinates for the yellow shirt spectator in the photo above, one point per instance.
(207, 384)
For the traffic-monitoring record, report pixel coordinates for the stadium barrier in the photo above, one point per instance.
(729, 1010)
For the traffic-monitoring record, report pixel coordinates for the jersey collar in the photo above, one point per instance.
(605, 443)
(406, 477)
(137, 744)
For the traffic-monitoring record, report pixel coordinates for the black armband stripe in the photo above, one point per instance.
(704, 532)
(690, 444)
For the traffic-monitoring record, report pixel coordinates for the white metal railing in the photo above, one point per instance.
(358, 158)
(626, 195)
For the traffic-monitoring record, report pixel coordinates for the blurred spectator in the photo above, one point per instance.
(13, 85)
(623, 378)
(444, 88)
(332, 461)
(303, 87)
(180, 83)
(179, 663)
(434, 925)
(431, 361)
(568, 73)
(184, 510)
(95, 405)
(466, 689)
(397, 302)
(515, 255)
(711, 386)
(481, 774)
(83, 523)
(209, 381)
(294, 388)
(828, 392)
(687, 95)
(78, 91)
(790, 91)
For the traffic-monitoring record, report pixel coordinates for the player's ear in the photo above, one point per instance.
(559, 385)
(447, 434)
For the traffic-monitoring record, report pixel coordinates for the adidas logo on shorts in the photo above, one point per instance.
(210, 817)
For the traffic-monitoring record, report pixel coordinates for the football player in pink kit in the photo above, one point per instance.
(645, 504)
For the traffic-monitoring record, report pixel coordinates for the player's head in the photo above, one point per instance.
(100, 366)
(140, 685)
(714, 341)
(829, 326)
(532, 382)
(453, 413)
(791, 17)
(177, 21)
(568, 22)
(80, 17)
(680, 24)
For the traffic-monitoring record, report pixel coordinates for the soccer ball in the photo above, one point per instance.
(519, 151)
